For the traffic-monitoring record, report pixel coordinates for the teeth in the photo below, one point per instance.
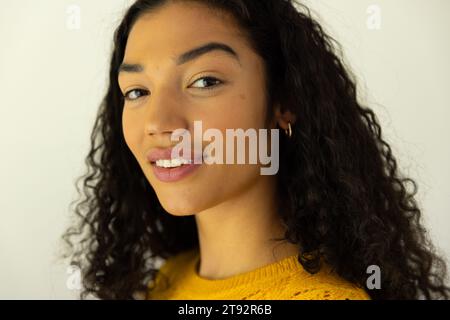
(172, 163)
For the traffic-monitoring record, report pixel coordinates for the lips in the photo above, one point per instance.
(176, 173)
(166, 154)
(159, 154)
(172, 174)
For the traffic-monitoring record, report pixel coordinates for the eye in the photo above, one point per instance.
(205, 80)
(135, 94)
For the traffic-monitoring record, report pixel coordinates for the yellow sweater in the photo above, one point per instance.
(282, 280)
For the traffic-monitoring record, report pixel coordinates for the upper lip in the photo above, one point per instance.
(165, 154)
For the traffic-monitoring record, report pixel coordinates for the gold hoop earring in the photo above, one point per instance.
(289, 130)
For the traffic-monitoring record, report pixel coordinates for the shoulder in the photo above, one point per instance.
(331, 292)
(171, 268)
(324, 285)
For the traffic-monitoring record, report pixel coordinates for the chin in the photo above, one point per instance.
(178, 207)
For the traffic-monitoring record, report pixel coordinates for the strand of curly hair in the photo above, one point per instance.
(343, 196)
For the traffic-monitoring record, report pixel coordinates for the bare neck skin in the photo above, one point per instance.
(235, 236)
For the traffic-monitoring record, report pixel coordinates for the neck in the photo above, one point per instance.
(237, 235)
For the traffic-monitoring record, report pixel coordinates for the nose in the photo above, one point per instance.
(165, 113)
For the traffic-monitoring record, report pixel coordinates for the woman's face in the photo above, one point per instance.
(170, 94)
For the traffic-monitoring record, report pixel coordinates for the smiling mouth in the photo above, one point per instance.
(171, 163)
(173, 170)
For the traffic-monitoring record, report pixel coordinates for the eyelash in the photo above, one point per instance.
(127, 93)
(213, 79)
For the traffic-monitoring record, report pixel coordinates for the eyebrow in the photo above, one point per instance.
(187, 56)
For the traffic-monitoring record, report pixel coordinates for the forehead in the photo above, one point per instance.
(173, 28)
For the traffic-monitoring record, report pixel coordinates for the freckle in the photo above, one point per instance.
(242, 96)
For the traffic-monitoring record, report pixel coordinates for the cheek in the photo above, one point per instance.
(131, 129)
(241, 111)
(245, 110)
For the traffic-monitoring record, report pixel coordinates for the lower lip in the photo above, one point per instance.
(174, 174)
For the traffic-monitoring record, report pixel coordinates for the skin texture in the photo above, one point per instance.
(236, 219)
(342, 197)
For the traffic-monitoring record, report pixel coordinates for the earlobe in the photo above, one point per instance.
(284, 119)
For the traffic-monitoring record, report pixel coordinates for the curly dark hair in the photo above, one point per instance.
(342, 194)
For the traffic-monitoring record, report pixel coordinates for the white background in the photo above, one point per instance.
(52, 79)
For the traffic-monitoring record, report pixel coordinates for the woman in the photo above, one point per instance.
(336, 209)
